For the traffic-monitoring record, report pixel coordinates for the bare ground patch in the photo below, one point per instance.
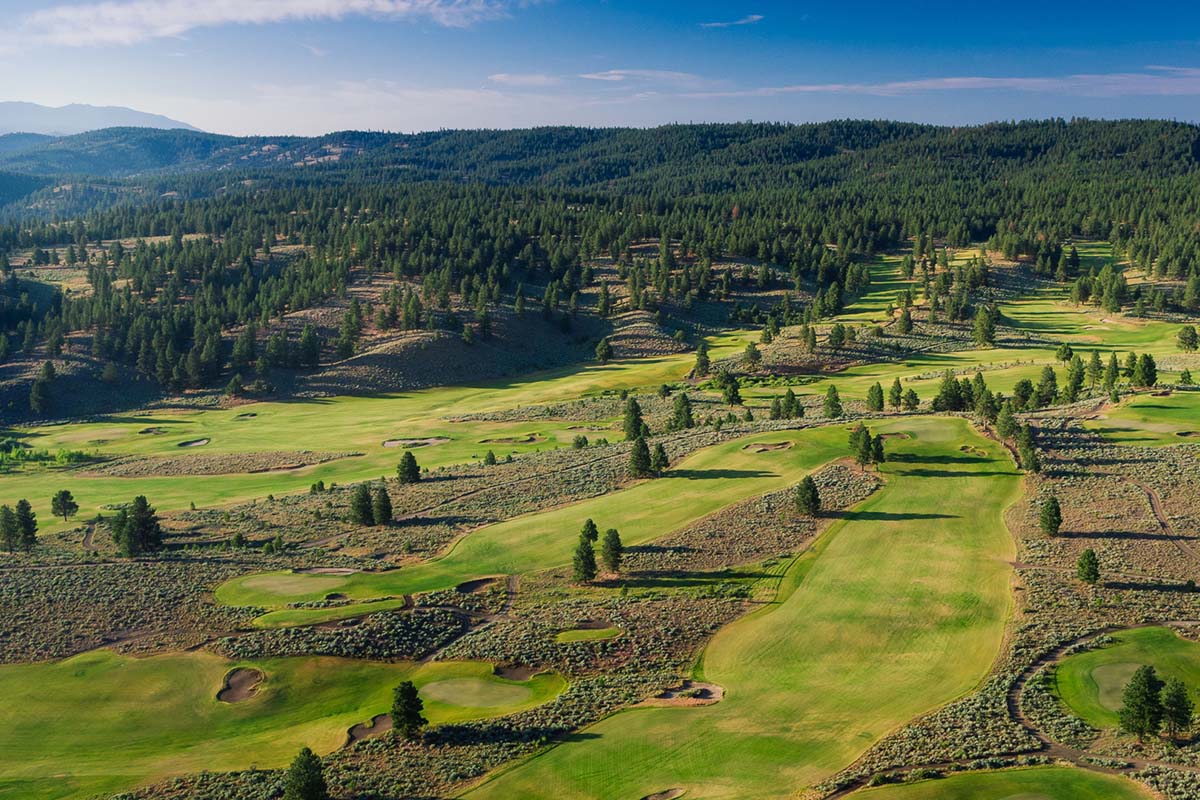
(428, 441)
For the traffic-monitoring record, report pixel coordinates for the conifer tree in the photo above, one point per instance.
(681, 415)
(634, 425)
(808, 497)
(381, 506)
(833, 403)
(63, 504)
(1087, 569)
(1178, 709)
(1141, 709)
(26, 524)
(612, 551)
(590, 531)
(407, 706)
(658, 460)
(408, 471)
(584, 561)
(875, 397)
(10, 532)
(639, 459)
(1050, 517)
(895, 395)
(361, 512)
(305, 778)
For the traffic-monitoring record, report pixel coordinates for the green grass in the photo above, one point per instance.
(586, 635)
(1091, 683)
(337, 424)
(698, 485)
(101, 722)
(1152, 421)
(1038, 783)
(899, 607)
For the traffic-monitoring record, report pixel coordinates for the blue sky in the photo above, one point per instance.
(311, 66)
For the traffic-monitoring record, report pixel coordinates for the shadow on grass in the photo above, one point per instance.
(914, 458)
(711, 474)
(948, 473)
(885, 516)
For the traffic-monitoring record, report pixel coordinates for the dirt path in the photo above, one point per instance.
(1168, 529)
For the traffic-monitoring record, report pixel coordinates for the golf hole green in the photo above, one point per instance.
(476, 693)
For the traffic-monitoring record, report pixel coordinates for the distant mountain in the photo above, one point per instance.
(16, 117)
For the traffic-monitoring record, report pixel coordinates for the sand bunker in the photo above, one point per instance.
(193, 443)
(900, 435)
(240, 684)
(766, 447)
(689, 693)
(408, 443)
(515, 672)
(380, 723)
(530, 439)
(475, 586)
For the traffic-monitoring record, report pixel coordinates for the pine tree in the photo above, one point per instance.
(1087, 569)
(1145, 374)
(1178, 709)
(10, 532)
(1112, 374)
(26, 524)
(604, 351)
(875, 397)
(381, 506)
(406, 710)
(1006, 423)
(658, 460)
(896, 395)
(584, 561)
(590, 531)
(911, 400)
(1141, 711)
(305, 778)
(136, 529)
(792, 408)
(681, 416)
(634, 425)
(361, 512)
(776, 408)
(877, 454)
(905, 324)
(1050, 517)
(612, 551)
(702, 362)
(63, 504)
(1027, 450)
(808, 497)
(833, 403)
(1095, 369)
(639, 459)
(408, 471)
(985, 327)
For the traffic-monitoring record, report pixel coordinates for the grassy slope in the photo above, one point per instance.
(898, 608)
(104, 722)
(1091, 683)
(339, 424)
(699, 485)
(1042, 783)
(1152, 421)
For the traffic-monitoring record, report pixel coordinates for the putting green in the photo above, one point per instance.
(698, 485)
(1038, 783)
(101, 722)
(1091, 683)
(899, 607)
(1152, 421)
(587, 635)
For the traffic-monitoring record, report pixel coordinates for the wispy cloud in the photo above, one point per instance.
(749, 19)
(661, 77)
(124, 22)
(1155, 80)
(319, 52)
(524, 79)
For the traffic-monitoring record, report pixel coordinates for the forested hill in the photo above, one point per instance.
(717, 156)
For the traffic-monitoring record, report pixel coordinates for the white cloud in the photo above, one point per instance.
(318, 52)
(1156, 80)
(670, 78)
(124, 22)
(524, 79)
(749, 19)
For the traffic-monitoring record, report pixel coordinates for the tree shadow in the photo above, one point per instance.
(915, 458)
(946, 473)
(1150, 586)
(886, 516)
(711, 474)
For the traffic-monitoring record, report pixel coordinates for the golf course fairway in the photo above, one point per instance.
(899, 607)
(102, 722)
(698, 485)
